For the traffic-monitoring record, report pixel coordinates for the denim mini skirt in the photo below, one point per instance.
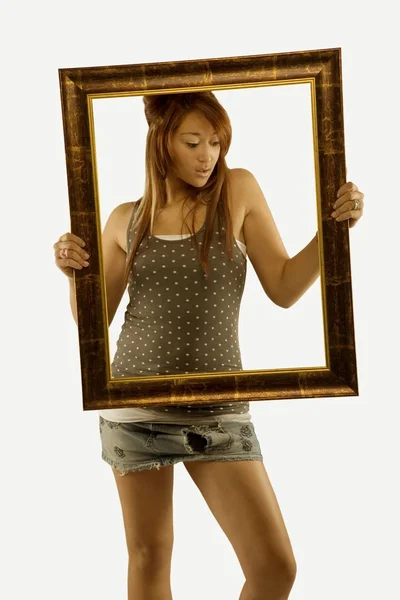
(142, 445)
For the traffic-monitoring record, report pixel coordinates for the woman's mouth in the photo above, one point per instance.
(204, 173)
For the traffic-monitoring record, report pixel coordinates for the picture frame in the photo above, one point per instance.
(321, 69)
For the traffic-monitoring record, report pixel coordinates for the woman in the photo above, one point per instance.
(185, 291)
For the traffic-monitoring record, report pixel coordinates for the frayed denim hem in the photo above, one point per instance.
(166, 462)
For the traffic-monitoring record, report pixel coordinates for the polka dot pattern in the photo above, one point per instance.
(179, 321)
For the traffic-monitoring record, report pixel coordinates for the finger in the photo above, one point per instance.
(351, 214)
(71, 247)
(69, 262)
(345, 207)
(347, 187)
(72, 237)
(72, 263)
(349, 197)
(76, 256)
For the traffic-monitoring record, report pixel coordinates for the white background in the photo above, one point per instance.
(333, 462)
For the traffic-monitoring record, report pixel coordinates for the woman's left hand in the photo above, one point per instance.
(344, 205)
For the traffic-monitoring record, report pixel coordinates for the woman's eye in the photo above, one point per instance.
(191, 145)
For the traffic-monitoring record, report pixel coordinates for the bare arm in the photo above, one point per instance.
(284, 279)
(300, 272)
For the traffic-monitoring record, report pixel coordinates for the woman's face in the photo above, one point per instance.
(194, 148)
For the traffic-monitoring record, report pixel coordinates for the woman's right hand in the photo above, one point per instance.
(76, 254)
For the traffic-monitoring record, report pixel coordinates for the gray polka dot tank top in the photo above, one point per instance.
(178, 320)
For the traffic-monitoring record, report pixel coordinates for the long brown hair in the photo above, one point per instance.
(164, 114)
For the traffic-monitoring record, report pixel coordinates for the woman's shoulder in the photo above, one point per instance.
(238, 179)
(125, 209)
(123, 213)
(239, 175)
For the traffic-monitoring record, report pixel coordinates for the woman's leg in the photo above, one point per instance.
(240, 496)
(146, 501)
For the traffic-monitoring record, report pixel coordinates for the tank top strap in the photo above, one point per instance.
(128, 231)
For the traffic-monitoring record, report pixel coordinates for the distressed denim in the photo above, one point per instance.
(140, 446)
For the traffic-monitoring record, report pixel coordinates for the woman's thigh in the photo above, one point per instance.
(147, 507)
(145, 487)
(241, 497)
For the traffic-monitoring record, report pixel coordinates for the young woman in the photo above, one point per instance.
(185, 288)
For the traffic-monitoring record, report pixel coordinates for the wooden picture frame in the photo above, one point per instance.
(322, 70)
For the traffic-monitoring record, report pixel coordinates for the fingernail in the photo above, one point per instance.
(86, 255)
(85, 262)
(333, 214)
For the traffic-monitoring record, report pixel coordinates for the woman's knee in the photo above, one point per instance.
(150, 556)
(281, 570)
